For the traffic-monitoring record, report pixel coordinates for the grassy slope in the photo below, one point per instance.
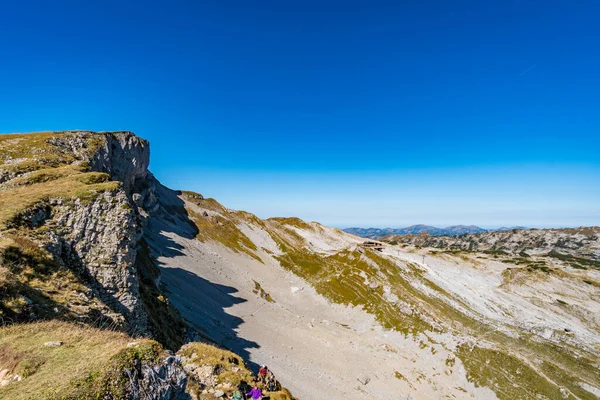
(67, 183)
(45, 171)
(31, 283)
(80, 366)
(91, 362)
(219, 224)
(522, 367)
(229, 367)
(515, 368)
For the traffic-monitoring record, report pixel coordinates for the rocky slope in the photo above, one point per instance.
(67, 201)
(74, 209)
(58, 360)
(331, 318)
(579, 247)
(374, 233)
(318, 308)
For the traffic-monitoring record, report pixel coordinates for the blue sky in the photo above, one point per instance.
(350, 113)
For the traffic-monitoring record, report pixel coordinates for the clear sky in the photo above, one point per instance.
(364, 113)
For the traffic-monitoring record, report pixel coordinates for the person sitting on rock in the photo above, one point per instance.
(255, 393)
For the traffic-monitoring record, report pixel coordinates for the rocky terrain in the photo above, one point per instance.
(578, 247)
(74, 211)
(454, 230)
(436, 324)
(90, 237)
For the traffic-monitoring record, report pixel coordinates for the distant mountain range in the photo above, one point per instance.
(454, 230)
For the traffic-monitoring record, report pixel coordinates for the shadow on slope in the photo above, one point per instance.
(165, 207)
(200, 302)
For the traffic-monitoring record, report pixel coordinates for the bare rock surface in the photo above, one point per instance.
(164, 381)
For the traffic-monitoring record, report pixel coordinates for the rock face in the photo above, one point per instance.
(95, 233)
(124, 156)
(165, 381)
(99, 239)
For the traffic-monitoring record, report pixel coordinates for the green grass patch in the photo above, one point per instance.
(291, 221)
(225, 231)
(84, 186)
(508, 376)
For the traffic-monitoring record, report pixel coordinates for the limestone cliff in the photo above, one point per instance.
(76, 211)
(80, 196)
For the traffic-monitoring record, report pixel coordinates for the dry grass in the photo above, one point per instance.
(33, 286)
(258, 290)
(84, 186)
(206, 354)
(512, 378)
(229, 366)
(216, 223)
(45, 171)
(51, 370)
(30, 145)
(36, 146)
(291, 221)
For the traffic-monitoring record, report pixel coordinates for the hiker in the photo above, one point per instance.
(255, 393)
(271, 382)
(237, 396)
(243, 388)
(262, 373)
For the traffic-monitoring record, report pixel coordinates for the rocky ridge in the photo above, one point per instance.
(93, 232)
(568, 243)
(454, 230)
(74, 211)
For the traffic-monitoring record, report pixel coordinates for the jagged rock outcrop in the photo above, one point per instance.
(165, 380)
(122, 155)
(99, 240)
(94, 194)
(575, 242)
